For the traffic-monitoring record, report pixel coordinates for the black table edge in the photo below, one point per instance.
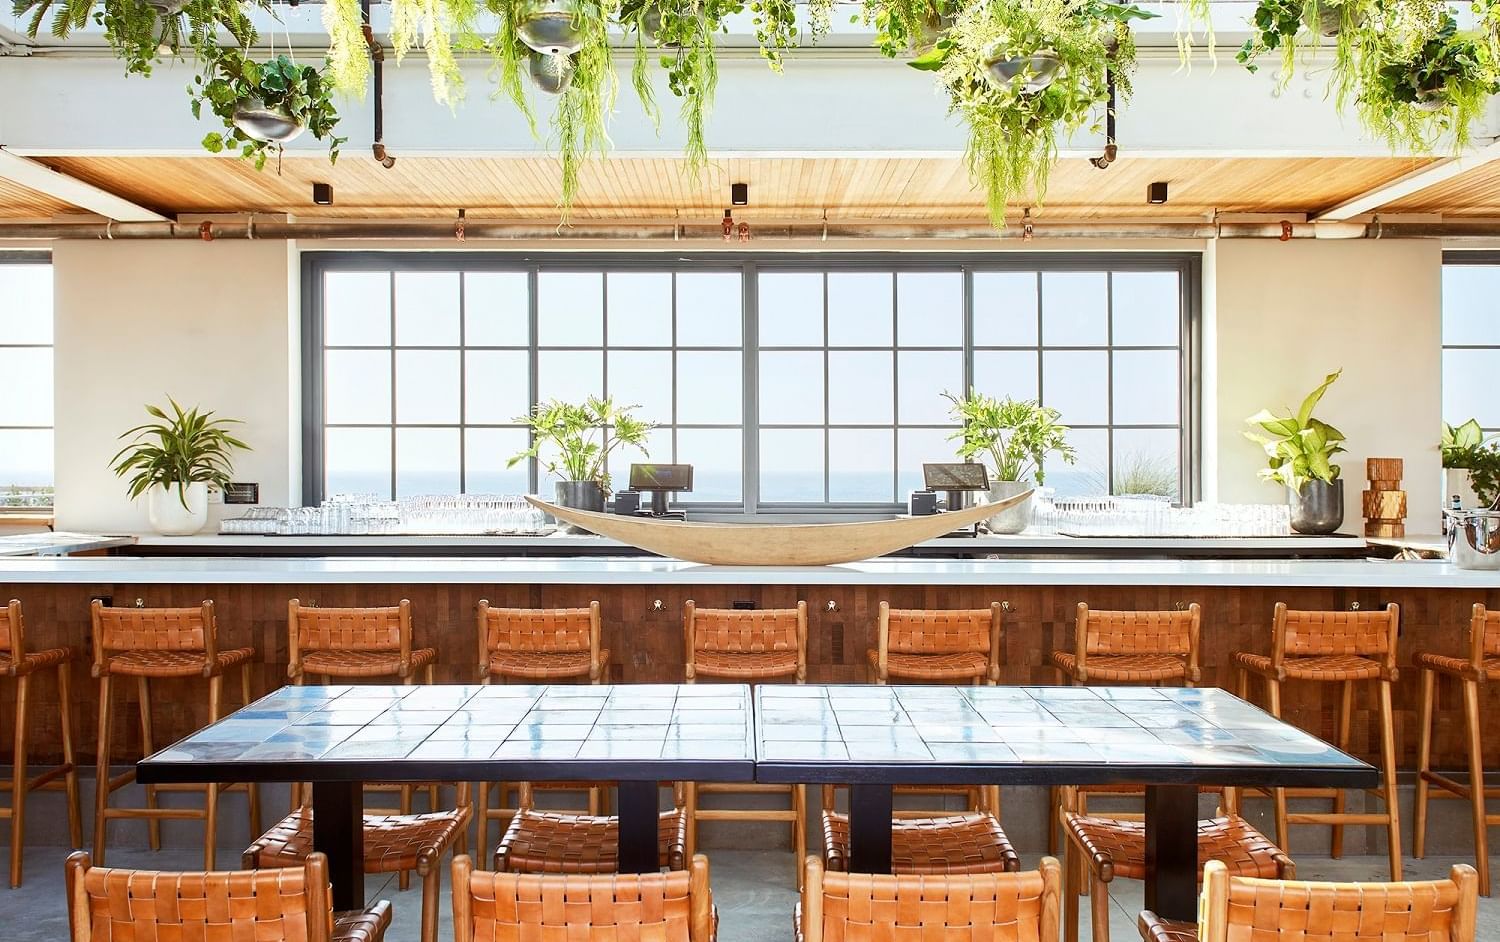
(1044, 773)
(153, 771)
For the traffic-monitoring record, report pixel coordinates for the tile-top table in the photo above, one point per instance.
(339, 737)
(1171, 740)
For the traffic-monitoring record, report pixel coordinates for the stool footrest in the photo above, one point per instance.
(1346, 817)
(193, 813)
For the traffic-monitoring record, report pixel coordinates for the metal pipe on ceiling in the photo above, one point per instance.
(647, 231)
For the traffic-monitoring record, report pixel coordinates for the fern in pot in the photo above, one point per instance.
(173, 461)
(570, 441)
(1300, 449)
(1013, 438)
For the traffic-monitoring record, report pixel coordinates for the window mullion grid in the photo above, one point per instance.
(750, 387)
(393, 383)
(534, 362)
(1109, 382)
(463, 387)
(827, 419)
(895, 390)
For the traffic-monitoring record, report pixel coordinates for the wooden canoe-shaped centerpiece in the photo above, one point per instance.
(774, 544)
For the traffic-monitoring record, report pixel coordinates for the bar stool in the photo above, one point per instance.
(356, 644)
(17, 662)
(558, 842)
(1472, 673)
(153, 644)
(537, 644)
(1104, 849)
(937, 844)
(1335, 648)
(749, 646)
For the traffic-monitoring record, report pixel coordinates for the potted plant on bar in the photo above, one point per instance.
(1471, 464)
(1012, 437)
(571, 442)
(173, 462)
(1299, 448)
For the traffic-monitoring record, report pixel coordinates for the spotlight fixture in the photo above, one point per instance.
(323, 194)
(728, 225)
(1156, 193)
(739, 194)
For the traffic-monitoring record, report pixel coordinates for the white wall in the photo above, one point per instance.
(211, 324)
(1287, 314)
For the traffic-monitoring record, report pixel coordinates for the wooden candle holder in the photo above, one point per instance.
(1385, 501)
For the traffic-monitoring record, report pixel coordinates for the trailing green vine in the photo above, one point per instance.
(348, 69)
(297, 93)
(141, 33)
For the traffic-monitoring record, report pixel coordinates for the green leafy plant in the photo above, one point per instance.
(1466, 448)
(141, 33)
(298, 92)
(911, 27)
(1285, 26)
(181, 448)
(1411, 97)
(1298, 446)
(1012, 436)
(574, 441)
(348, 68)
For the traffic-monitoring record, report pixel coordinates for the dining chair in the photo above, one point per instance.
(561, 842)
(676, 906)
(935, 844)
(288, 905)
(936, 645)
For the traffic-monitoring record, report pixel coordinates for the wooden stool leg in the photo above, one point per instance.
(1054, 819)
(1273, 704)
(297, 795)
(18, 785)
(1072, 879)
(211, 793)
(1346, 715)
(799, 829)
(101, 771)
(153, 825)
(1424, 762)
(1388, 773)
(252, 789)
(1098, 909)
(1476, 784)
(70, 760)
(432, 888)
(690, 809)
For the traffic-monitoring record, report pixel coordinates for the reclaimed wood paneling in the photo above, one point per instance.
(646, 639)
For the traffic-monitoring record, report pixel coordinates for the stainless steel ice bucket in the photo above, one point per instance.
(1474, 539)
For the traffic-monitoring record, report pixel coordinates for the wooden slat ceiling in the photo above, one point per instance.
(781, 188)
(1473, 194)
(19, 202)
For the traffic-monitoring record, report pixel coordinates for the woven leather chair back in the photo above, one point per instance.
(536, 629)
(996, 907)
(924, 631)
(153, 629)
(1314, 634)
(350, 629)
(10, 629)
(744, 632)
(1137, 632)
(111, 905)
(1241, 909)
(502, 907)
(1486, 625)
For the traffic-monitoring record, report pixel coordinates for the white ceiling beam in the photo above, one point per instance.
(1416, 181)
(43, 179)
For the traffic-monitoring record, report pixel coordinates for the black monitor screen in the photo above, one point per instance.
(956, 477)
(661, 477)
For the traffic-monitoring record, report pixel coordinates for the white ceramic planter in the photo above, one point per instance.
(1456, 481)
(1013, 519)
(167, 514)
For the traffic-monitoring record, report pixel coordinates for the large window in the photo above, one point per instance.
(1471, 338)
(25, 381)
(790, 382)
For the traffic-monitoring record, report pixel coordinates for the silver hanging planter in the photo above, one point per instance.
(550, 74)
(267, 124)
(1328, 20)
(1026, 74)
(1431, 99)
(924, 40)
(551, 27)
(166, 8)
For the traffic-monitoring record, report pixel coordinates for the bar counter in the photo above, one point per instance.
(642, 602)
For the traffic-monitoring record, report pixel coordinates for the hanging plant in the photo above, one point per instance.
(909, 27)
(1288, 26)
(142, 32)
(348, 68)
(1412, 98)
(432, 25)
(264, 105)
(1022, 73)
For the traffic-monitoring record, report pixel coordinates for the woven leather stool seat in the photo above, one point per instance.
(1118, 848)
(1123, 668)
(1156, 929)
(1329, 668)
(544, 665)
(363, 663)
(161, 663)
(362, 925)
(1458, 666)
(766, 665)
(963, 843)
(552, 842)
(393, 842)
(34, 660)
(933, 666)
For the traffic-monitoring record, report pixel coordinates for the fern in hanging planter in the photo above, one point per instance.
(436, 26)
(264, 105)
(1413, 97)
(143, 32)
(348, 69)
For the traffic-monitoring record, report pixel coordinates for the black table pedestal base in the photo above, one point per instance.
(639, 807)
(870, 828)
(1172, 851)
(339, 832)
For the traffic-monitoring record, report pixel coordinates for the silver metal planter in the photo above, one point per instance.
(1027, 74)
(580, 495)
(271, 125)
(552, 74)
(1318, 507)
(552, 27)
(1328, 21)
(1474, 540)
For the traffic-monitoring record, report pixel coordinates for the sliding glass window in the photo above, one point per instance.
(26, 475)
(790, 382)
(1471, 338)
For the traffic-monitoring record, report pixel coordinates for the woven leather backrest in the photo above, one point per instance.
(537, 629)
(510, 907)
(158, 629)
(1274, 911)
(1491, 629)
(724, 629)
(149, 906)
(923, 631)
(1324, 633)
(995, 907)
(7, 636)
(1138, 632)
(349, 629)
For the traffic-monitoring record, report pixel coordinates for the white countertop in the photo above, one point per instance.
(1350, 573)
(59, 543)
